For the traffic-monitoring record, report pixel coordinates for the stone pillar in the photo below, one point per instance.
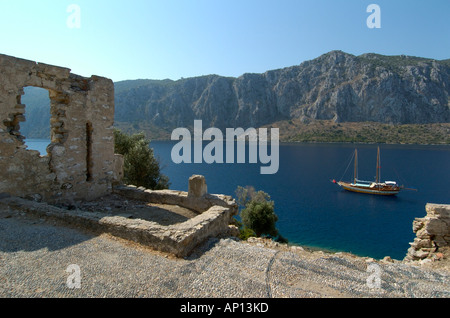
(197, 186)
(118, 168)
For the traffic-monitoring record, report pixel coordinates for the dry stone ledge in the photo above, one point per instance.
(432, 233)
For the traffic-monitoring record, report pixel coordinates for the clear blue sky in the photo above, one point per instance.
(160, 39)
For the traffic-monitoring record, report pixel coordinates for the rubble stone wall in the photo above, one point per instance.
(432, 232)
(80, 158)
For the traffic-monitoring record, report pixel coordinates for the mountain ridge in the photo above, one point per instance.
(335, 86)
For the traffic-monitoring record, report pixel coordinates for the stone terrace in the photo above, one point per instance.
(192, 218)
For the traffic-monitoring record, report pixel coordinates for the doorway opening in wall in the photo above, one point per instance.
(36, 127)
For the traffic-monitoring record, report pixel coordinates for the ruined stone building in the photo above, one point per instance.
(80, 158)
(80, 164)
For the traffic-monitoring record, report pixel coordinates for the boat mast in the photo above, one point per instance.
(355, 173)
(378, 166)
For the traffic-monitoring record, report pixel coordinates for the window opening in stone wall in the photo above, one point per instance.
(36, 127)
(89, 130)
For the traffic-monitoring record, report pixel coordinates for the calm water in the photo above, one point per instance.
(314, 212)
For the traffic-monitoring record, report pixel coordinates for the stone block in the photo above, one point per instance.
(118, 167)
(436, 226)
(197, 186)
(438, 210)
(52, 70)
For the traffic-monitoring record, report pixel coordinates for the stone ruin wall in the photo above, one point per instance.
(432, 233)
(80, 160)
(80, 164)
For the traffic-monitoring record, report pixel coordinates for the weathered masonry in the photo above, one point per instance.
(80, 159)
(80, 164)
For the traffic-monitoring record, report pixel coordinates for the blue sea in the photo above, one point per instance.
(316, 213)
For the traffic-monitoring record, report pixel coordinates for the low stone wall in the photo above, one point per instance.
(214, 218)
(432, 233)
(178, 239)
(174, 197)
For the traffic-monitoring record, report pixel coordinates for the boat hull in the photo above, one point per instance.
(368, 190)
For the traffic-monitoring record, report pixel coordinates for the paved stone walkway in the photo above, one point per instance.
(35, 254)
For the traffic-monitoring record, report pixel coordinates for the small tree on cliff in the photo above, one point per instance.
(258, 213)
(141, 168)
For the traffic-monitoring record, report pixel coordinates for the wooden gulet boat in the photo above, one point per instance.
(369, 187)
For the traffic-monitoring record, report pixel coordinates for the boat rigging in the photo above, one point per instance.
(387, 188)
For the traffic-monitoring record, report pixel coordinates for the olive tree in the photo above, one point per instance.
(141, 168)
(257, 213)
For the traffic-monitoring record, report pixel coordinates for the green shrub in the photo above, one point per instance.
(141, 168)
(257, 214)
(244, 232)
(260, 217)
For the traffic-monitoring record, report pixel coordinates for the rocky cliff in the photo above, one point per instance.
(335, 86)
